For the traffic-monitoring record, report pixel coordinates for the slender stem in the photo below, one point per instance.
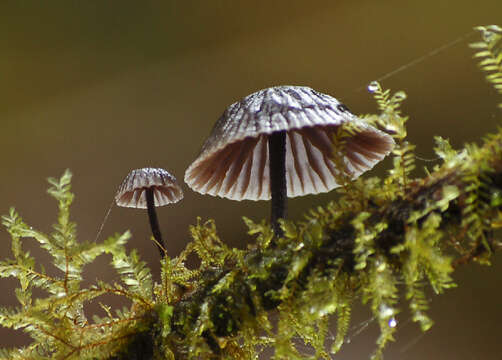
(278, 189)
(154, 223)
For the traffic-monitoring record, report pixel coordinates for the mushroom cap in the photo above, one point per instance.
(131, 192)
(234, 160)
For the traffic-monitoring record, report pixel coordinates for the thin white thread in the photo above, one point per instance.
(423, 57)
(104, 220)
(356, 330)
(427, 160)
(418, 61)
(414, 341)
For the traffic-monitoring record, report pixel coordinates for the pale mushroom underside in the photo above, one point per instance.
(132, 191)
(162, 195)
(240, 170)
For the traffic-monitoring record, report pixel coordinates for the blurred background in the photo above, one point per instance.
(103, 87)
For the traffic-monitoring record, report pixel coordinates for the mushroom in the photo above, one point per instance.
(147, 188)
(278, 143)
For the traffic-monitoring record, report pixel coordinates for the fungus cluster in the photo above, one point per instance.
(273, 144)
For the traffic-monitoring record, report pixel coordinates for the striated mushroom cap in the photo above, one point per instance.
(234, 164)
(131, 192)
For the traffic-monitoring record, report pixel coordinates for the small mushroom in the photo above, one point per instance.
(147, 188)
(278, 143)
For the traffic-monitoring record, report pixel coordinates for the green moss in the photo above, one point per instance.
(380, 236)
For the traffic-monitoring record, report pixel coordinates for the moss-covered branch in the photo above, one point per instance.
(384, 238)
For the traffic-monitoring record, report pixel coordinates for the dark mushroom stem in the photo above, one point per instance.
(277, 168)
(154, 223)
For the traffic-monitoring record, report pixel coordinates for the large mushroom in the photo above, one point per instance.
(278, 143)
(147, 188)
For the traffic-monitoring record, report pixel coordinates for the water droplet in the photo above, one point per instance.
(374, 86)
(299, 246)
(392, 322)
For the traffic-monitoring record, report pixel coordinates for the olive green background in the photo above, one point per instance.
(102, 87)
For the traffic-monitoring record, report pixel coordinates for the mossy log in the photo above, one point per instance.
(233, 298)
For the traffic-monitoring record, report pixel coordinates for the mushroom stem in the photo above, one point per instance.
(154, 223)
(277, 169)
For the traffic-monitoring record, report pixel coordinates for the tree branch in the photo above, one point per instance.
(230, 300)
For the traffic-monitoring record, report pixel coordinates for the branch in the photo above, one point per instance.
(464, 195)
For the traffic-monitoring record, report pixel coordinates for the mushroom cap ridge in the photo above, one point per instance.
(131, 192)
(233, 162)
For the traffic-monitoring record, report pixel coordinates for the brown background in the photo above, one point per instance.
(102, 87)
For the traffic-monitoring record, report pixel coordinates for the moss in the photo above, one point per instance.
(380, 236)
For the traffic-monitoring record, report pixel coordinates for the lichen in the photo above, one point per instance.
(380, 236)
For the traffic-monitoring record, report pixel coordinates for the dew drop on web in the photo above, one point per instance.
(392, 322)
(373, 86)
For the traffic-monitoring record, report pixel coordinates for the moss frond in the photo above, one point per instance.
(57, 322)
(393, 122)
(342, 323)
(134, 273)
(207, 244)
(489, 53)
